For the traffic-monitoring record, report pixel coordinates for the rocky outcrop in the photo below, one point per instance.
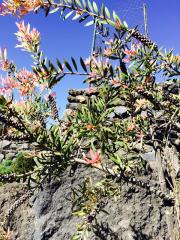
(134, 215)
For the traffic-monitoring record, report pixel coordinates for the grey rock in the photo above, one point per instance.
(145, 149)
(4, 144)
(10, 155)
(1, 157)
(149, 156)
(131, 216)
(23, 146)
(14, 146)
(111, 116)
(120, 110)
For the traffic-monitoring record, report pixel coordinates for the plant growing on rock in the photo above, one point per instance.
(97, 134)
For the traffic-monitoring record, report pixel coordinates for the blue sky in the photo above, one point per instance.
(62, 39)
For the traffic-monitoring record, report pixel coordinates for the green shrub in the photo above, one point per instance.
(23, 163)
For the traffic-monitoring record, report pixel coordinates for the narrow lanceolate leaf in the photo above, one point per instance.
(125, 24)
(95, 8)
(115, 16)
(74, 64)
(54, 10)
(76, 16)
(83, 18)
(84, 3)
(103, 10)
(68, 15)
(59, 64)
(107, 12)
(90, 6)
(62, 11)
(83, 65)
(68, 66)
(78, 3)
(89, 23)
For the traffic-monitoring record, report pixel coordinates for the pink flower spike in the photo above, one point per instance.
(95, 157)
(126, 60)
(53, 94)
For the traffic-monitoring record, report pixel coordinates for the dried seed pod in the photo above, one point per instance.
(143, 39)
(17, 138)
(17, 203)
(8, 177)
(148, 95)
(53, 106)
(41, 120)
(11, 122)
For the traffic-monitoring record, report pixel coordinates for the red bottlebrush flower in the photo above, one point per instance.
(130, 52)
(131, 127)
(118, 24)
(95, 157)
(90, 127)
(29, 39)
(4, 63)
(126, 60)
(91, 90)
(19, 7)
(108, 52)
(115, 82)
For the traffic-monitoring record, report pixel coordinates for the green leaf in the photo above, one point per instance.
(90, 6)
(125, 24)
(116, 159)
(103, 10)
(74, 63)
(78, 3)
(115, 16)
(68, 15)
(111, 23)
(83, 18)
(2, 101)
(76, 16)
(83, 64)
(107, 12)
(95, 7)
(68, 66)
(54, 10)
(89, 23)
(84, 3)
(59, 65)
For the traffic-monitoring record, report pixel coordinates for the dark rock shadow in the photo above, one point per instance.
(104, 232)
(140, 235)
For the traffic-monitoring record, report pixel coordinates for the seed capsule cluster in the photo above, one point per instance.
(143, 39)
(11, 122)
(53, 106)
(145, 185)
(41, 120)
(8, 177)
(96, 210)
(17, 203)
(150, 97)
(17, 138)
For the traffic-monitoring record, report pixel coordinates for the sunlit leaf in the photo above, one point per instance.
(68, 66)
(78, 3)
(74, 63)
(89, 23)
(107, 12)
(90, 6)
(83, 65)
(54, 10)
(95, 7)
(68, 15)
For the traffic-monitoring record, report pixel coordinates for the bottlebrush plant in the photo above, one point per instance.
(122, 72)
